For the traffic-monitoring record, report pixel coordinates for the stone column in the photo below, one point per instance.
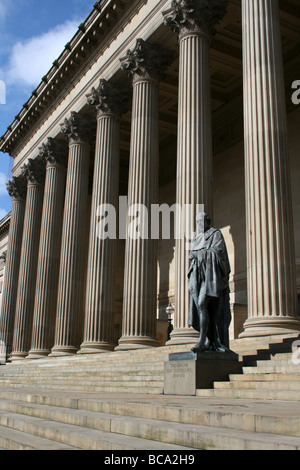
(55, 154)
(272, 300)
(34, 171)
(69, 315)
(140, 276)
(99, 303)
(194, 22)
(17, 190)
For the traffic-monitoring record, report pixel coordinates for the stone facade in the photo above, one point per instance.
(159, 102)
(4, 232)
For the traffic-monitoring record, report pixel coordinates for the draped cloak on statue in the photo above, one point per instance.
(209, 276)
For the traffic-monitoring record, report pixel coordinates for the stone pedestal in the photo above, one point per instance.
(186, 372)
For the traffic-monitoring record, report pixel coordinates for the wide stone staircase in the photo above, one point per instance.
(115, 401)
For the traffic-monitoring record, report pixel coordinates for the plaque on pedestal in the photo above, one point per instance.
(186, 372)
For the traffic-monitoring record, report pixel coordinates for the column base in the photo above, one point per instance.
(95, 348)
(3, 353)
(183, 336)
(59, 351)
(136, 342)
(38, 353)
(18, 356)
(262, 326)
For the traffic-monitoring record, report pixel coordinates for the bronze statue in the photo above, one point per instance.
(209, 312)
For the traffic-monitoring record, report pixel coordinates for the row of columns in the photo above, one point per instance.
(46, 310)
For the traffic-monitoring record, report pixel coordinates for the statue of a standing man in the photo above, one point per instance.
(208, 275)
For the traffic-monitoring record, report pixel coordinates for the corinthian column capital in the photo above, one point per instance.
(145, 61)
(202, 16)
(34, 171)
(77, 128)
(17, 187)
(54, 152)
(106, 99)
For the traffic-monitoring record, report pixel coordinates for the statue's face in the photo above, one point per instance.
(206, 224)
(200, 221)
(203, 222)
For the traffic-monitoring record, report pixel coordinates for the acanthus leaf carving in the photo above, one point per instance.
(17, 187)
(34, 171)
(78, 127)
(54, 152)
(106, 99)
(195, 15)
(146, 61)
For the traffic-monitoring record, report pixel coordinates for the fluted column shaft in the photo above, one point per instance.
(28, 261)
(49, 254)
(143, 66)
(12, 266)
(99, 303)
(140, 276)
(194, 163)
(272, 301)
(69, 315)
(194, 23)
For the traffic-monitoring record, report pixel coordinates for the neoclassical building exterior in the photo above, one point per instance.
(155, 102)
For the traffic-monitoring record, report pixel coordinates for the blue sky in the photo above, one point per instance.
(33, 33)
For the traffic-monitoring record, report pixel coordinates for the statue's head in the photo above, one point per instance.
(203, 221)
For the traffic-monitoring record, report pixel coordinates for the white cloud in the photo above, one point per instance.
(30, 60)
(4, 7)
(3, 181)
(3, 213)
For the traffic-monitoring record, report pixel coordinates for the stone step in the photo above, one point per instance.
(260, 417)
(104, 371)
(90, 361)
(11, 439)
(116, 378)
(282, 356)
(265, 377)
(126, 388)
(273, 343)
(253, 410)
(83, 428)
(34, 365)
(259, 385)
(81, 385)
(82, 437)
(239, 393)
(278, 361)
(251, 346)
(121, 357)
(271, 367)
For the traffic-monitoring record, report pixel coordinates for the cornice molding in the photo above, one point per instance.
(5, 223)
(3, 257)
